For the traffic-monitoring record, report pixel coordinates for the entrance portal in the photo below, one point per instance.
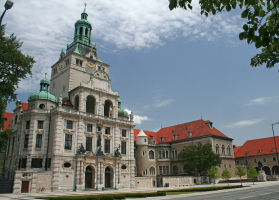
(25, 187)
(89, 177)
(108, 177)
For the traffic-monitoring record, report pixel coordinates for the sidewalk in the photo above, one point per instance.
(143, 190)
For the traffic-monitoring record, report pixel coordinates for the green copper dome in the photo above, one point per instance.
(43, 94)
(121, 112)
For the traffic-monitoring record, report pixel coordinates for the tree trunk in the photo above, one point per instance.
(240, 181)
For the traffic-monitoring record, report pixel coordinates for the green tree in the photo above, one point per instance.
(14, 66)
(240, 171)
(261, 27)
(213, 174)
(198, 158)
(252, 172)
(226, 175)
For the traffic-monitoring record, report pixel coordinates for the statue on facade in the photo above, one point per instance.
(81, 149)
(99, 147)
(99, 141)
(117, 152)
(60, 100)
(132, 116)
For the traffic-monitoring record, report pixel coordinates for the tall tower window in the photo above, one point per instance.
(108, 109)
(80, 30)
(86, 32)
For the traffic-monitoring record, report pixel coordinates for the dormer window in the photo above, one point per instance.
(209, 124)
(175, 137)
(272, 149)
(173, 131)
(190, 134)
(187, 128)
(162, 139)
(246, 153)
(259, 151)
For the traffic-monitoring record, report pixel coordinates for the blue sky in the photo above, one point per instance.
(169, 67)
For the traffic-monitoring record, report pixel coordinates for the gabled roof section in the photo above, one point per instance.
(149, 134)
(24, 106)
(196, 129)
(265, 145)
(236, 149)
(8, 116)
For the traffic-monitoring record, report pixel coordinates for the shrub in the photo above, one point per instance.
(119, 197)
(106, 197)
(161, 193)
(153, 194)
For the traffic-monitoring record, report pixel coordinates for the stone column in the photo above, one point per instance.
(80, 173)
(57, 138)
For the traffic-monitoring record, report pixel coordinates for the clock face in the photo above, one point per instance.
(90, 65)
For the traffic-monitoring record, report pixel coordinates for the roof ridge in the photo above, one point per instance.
(181, 124)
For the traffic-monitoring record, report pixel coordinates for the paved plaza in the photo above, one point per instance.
(247, 186)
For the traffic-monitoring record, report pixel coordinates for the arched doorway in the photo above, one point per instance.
(89, 177)
(108, 109)
(267, 170)
(76, 102)
(275, 170)
(108, 177)
(90, 104)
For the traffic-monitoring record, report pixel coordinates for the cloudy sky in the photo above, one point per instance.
(169, 67)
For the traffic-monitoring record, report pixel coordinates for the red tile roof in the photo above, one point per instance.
(24, 106)
(148, 133)
(235, 149)
(253, 147)
(198, 128)
(68, 103)
(9, 118)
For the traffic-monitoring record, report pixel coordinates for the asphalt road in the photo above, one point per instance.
(262, 193)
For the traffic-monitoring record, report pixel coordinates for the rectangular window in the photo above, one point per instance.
(48, 162)
(107, 146)
(13, 145)
(107, 131)
(28, 125)
(39, 140)
(163, 154)
(274, 159)
(160, 154)
(123, 133)
(89, 127)
(68, 142)
(23, 162)
(99, 128)
(77, 61)
(123, 148)
(88, 144)
(255, 160)
(80, 63)
(69, 124)
(26, 141)
(167, 154)
(246, 162)
(264, 159)
(19, 163)
(160, 170)
(36, 163)
(237, 162)
(40, 125)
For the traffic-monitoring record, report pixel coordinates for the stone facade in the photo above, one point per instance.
(76, 136)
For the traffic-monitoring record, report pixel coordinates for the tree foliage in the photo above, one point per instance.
(252, 172)
(14, 66)
(240, 171)
(261, 27)
(213, 173)
(198, 158)
(226, 175)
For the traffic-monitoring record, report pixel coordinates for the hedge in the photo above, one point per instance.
(204, 189)
(161, 193)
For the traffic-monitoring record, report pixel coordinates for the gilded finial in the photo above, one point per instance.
(85, 6)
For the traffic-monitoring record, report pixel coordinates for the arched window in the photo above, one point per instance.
(175, 169)
(76, 32)
(86, 32)
(229, 150)
(108, 109)
(151, 154)
(80, 31)
(223, 150)
(152, 171)
(217, 149)
(76, 102)
(90, 104)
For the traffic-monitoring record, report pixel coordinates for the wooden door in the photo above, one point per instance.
(25, 187)
(88, 180)
(107, 179)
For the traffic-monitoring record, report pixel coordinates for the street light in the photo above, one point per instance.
(8, 5)
(275, 141)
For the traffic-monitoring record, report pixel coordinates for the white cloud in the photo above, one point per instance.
(125, 24)
(161, 103)
(137, 118)
(244, 123)
(261, 100)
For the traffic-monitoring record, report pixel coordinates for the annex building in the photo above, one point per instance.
(72, 135)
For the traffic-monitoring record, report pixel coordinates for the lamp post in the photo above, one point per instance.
(275, 141)
(8, 5)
